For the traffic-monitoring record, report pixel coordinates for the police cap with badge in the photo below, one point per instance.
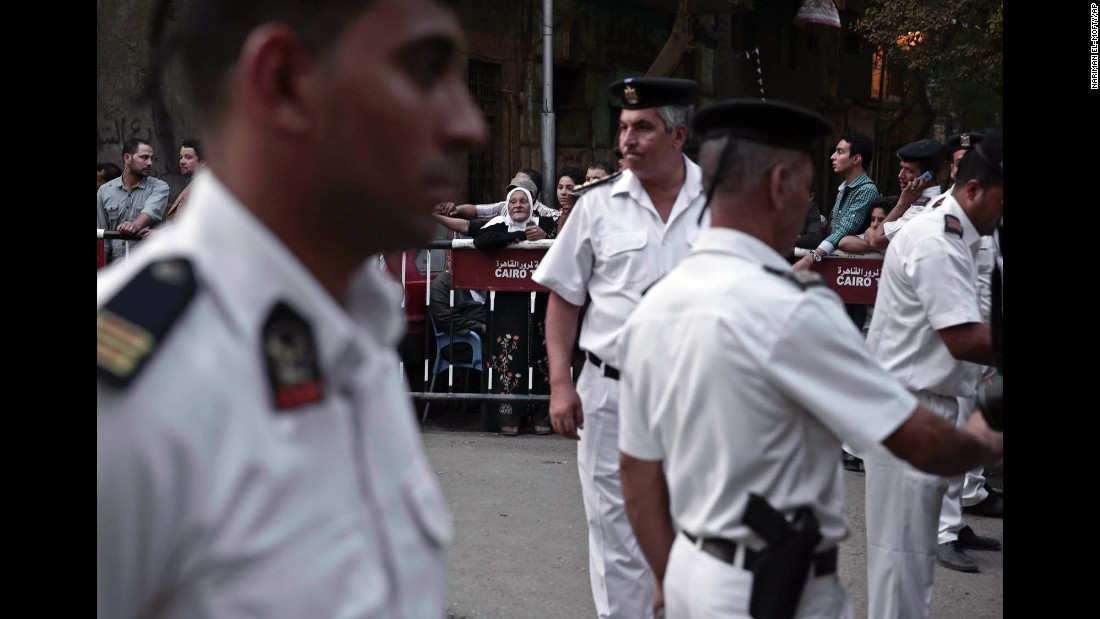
(773, 123)
(963, 141)
(639, 93)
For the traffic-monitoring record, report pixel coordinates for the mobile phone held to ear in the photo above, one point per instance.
(927, 176)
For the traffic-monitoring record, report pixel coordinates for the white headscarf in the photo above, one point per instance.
(516, 226)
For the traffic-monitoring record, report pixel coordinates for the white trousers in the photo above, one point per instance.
(622, 584)
(902, 508)
(964, 490)
(699, 586)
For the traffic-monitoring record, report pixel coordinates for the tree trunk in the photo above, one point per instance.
(679, 41)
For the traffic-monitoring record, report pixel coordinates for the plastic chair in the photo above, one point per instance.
(444, 339)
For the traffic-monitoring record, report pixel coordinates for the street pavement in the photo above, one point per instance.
(520, 547)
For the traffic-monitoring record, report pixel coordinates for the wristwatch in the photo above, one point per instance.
(817, 256)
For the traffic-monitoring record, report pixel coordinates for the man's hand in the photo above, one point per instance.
(129, 227)
(912, 190)
(993, 440)
(566, 412)
(446, 208)
(804, 263)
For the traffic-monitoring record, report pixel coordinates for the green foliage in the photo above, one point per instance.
(953, 47)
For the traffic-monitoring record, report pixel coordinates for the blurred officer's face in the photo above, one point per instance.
(394, 115)
(141, 162)
(647, 148)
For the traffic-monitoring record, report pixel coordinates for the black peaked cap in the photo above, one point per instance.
(639, 93)
(921, 150)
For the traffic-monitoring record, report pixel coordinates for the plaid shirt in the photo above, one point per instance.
(851, 207)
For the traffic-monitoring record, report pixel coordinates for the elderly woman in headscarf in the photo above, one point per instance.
(500, 231)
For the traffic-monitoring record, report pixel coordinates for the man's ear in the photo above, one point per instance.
(680, 135)
(779, 185)
(275, 70)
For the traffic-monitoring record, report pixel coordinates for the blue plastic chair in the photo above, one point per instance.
(444, 339)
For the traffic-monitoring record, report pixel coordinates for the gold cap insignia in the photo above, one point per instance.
(630, 95)
(964, 140)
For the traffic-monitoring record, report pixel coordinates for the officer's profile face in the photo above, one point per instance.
(647, 146)
(393, 117)
(987, 207)
(956, 157)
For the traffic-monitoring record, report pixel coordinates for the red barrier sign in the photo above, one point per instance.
(854, 279)
(100, 259)
(506, 270)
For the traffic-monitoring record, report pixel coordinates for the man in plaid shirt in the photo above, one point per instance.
(853, 200)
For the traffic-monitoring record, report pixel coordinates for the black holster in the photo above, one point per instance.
(782, 569)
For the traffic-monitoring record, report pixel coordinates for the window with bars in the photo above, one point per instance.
(483, 88)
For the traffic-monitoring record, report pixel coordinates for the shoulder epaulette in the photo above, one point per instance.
(921, 201)
(939, 202)
(131, 325)
(952, 225)
(583, 187)
(802, 279)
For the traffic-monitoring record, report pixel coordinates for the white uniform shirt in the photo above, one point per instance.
(742, 381)
(926, 202)
(210, 503)
(928, 283)
(614, 247)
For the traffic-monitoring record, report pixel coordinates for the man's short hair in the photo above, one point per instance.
(862, 145)
(193, 144)
(130, 147)
(601, 165)
(675, 115)
(212, 32)
(110, 171)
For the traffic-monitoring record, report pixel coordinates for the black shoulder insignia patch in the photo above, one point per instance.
(952, 225)
(802, 279)
(131, 325)
(939, 202)
(290, 356)
(921, 201)
(583, 187)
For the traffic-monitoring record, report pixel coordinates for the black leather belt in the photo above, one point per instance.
(725, 550)
(608, 371)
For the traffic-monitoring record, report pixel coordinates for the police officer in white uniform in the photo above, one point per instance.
(741, 377)
(257, 453)
(626, 231)
(927, 324)
(917, 193)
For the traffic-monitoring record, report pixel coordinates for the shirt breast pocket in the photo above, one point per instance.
(114, 214)
(624, 257)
